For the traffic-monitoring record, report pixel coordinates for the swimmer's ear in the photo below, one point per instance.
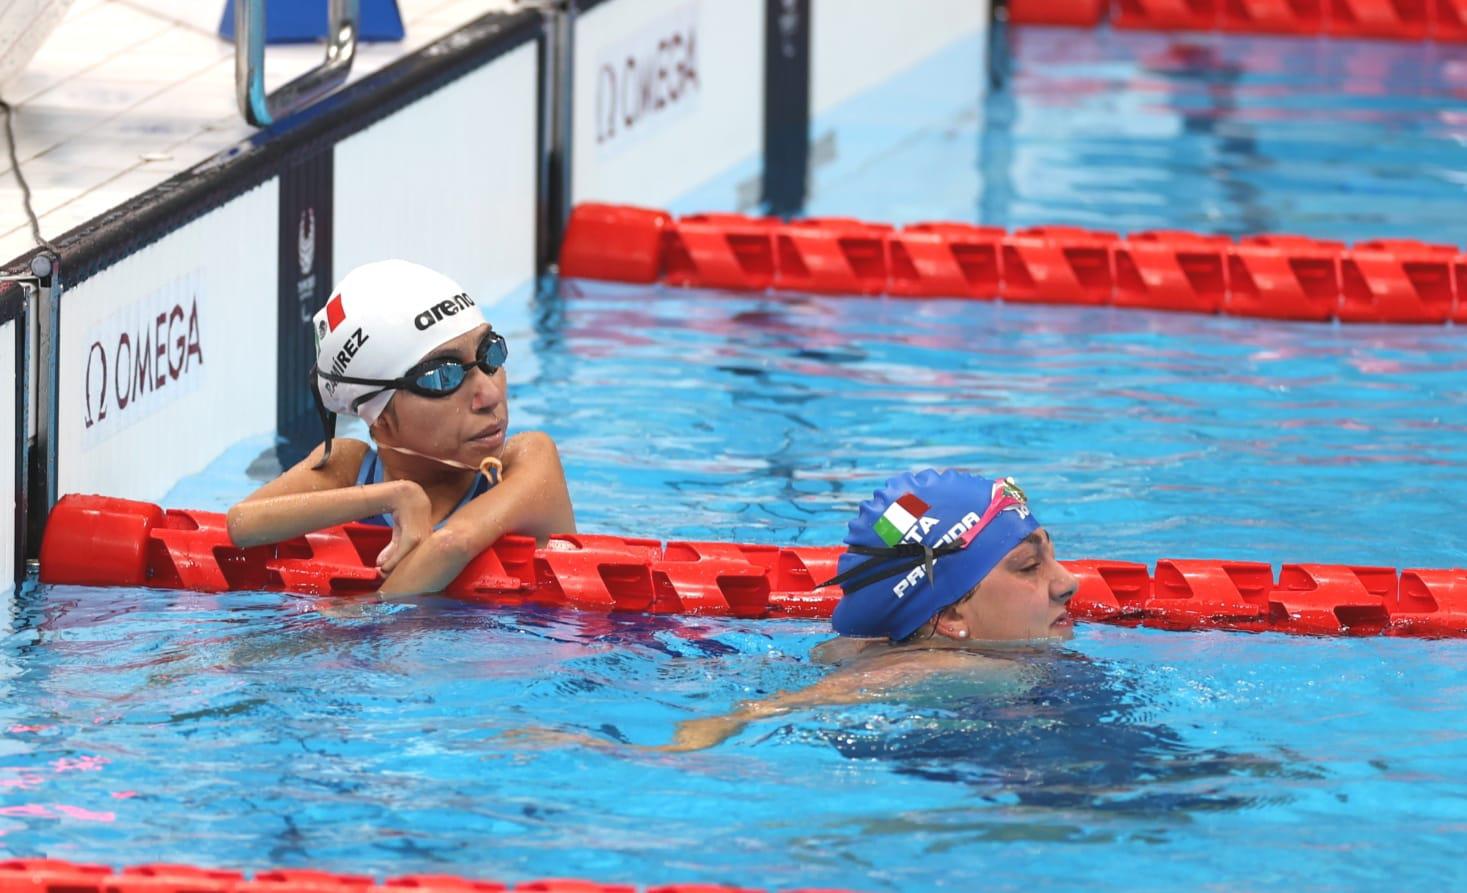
(950, 624)
(386, 423)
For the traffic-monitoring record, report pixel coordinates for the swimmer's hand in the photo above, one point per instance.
(693, 734)
(701, 734)
(411, 515)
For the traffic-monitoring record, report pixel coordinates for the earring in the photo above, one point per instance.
(962, 634)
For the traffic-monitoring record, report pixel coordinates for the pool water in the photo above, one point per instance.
(256, 730)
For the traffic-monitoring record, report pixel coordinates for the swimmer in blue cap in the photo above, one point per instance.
(951, 556)
(939, 567)
(941, 570)
(407, 350)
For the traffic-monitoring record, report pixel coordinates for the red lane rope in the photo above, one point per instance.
(57, 876)
(102, 541)
(1267, 276)
(1439, 20)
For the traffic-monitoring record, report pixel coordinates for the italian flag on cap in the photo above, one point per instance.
(899, 517)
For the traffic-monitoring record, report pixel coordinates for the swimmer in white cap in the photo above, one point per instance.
(407, 350)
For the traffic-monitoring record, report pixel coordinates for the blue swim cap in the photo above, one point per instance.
(967, 524)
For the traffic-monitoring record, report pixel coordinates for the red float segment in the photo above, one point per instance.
(1284, 277)
(442, 883)
(619, 243)
(1083, 13)
(52, 876)
(701, 888)
(1057, 265)
(594, 579)
(1167, 15)
(1398, 281)
(1192, 594)
(304, 880)
(104, 543)
(1396, 19)
(715, 586)
(803, 568)
(1109, 590)
(727, 251)
(1321, 599)
(172, 879)
(1459, 285)
(1448, 20)
(1272, 16)
(56, 876)
(953, 260)
(816, 605)
(1431, 603)
(569, 885)
(831, 256)
(1170, 270)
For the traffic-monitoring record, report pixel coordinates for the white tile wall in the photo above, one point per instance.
(126, 93)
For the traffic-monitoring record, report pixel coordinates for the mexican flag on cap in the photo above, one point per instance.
(899, 517)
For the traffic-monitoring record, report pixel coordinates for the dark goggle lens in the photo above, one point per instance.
(447, 376)
(493, 351)
(443, 379)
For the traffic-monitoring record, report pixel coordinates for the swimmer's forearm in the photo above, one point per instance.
(530, 500)
(277, 518)
(430, 567)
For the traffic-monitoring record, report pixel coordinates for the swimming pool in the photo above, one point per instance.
(260, 730)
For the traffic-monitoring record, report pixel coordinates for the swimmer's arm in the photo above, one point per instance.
(840, 687)
(531, 499)
(871, 681)
(305, 498)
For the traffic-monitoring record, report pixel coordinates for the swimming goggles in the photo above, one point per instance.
(434, 377)
(886, 562)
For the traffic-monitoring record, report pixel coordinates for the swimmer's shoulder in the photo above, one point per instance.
(526, 443)
(304, 477)
(341, 470)
(880, 657)
(843, 649)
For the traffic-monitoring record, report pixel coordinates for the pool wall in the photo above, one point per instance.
(178, 324)
(11, 328)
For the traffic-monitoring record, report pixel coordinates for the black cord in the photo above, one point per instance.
(25, 189)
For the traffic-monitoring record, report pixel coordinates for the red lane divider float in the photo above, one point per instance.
(1265, 276)
(56, 876)
(102, 541)
(1441, 20)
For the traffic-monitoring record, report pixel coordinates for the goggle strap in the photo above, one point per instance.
(912, 555)
(328, 423)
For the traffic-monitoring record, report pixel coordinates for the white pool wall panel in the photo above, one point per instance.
(448, 181)
(668, 94)
(168, 356)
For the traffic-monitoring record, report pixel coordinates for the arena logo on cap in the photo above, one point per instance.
(435, 314)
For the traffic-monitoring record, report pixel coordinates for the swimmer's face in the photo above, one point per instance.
(1026, 596)
(467, 425)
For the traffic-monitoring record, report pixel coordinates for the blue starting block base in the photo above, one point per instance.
(304, 21)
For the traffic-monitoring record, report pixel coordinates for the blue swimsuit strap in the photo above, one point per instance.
(371, 473)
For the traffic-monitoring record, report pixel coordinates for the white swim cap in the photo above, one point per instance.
(382, 318)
